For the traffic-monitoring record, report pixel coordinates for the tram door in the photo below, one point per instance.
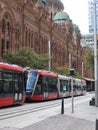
(17, 93)
(45, 91)
(18, 88)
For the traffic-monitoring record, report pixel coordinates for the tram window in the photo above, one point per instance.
(79, 88)
(64, 88)
(16, 86)
(38, 89)
(40, 79)
(18, 82)
(0, 82)
(52, 84)
(6, 87)
(63, 85)
(0, 75)
(0, 85)
(6, 83)
(84, 88)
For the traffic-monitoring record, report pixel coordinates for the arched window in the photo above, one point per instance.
(26, 35)
(32, 46)
(18, 32)
(8, 28)
(3, 25)
(6, 33)
(17, 35)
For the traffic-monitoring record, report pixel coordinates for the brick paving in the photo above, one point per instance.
(9, 128)
(62, 122)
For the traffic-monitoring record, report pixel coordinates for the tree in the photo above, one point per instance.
(27, 57)
(64, 70)
(89, 60)
(78, 75)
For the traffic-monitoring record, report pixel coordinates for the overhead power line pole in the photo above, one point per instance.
(49, 53)
(95, 57)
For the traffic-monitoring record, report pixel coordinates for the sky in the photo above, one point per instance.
(78, 13)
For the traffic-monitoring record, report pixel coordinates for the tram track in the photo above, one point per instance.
(31, 108)
(23, 112)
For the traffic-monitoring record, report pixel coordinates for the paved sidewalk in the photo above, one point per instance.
(62, 122)
(83, 118)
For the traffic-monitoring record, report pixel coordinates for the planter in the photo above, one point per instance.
(92, 102)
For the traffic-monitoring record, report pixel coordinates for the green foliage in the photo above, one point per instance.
(77, 75)
(90, 61)
(27, 57)
(59, 69)
(62, 70)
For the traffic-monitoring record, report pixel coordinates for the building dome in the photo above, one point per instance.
(44, 2)
(55, 6)
(61, 17)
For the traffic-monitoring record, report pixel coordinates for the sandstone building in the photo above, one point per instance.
(32, 23)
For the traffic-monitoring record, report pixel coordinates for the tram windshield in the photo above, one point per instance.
(31, 80)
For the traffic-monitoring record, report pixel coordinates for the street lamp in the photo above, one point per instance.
(69, 60)
(49, 64)
(72, 74)
(82, 69)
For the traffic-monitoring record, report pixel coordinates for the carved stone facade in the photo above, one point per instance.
(28, 24)
(55, 6)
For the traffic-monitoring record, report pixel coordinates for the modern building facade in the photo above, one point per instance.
(91, 16)
(87, 41)
(31, 23)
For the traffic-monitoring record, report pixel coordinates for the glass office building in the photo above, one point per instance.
(91, 15)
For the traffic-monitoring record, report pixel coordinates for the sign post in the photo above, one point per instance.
(96, 124)
(62, 106)
(72, 74)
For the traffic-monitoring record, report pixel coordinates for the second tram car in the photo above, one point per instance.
(44, 85)
(84, 85)
(63, 86)
(12, 89)
(41, 85)
(79, 86)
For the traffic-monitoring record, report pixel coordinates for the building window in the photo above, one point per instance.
(3, 26)
(2, 47)
(7, 45)
(6, 32)
(8, 28)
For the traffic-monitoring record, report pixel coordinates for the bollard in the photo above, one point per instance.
(62, 106)
(96, 124)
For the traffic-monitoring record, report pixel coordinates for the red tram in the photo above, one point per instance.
(45, 85)
(41, 85)
(12, 89)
